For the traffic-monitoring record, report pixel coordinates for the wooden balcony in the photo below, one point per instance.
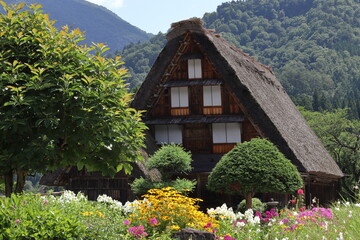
(223, 147)
(180, 111)
(212, 110)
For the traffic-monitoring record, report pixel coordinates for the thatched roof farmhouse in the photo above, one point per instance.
(200, 81)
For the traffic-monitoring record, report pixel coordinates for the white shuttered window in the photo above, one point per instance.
(168, 134)
(179, 97)
(212, 95)
(194, 68)
(226, 132)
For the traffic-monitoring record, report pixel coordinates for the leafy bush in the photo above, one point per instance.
(169, 159)
(253, 167)
(33, 217)
(257, 205)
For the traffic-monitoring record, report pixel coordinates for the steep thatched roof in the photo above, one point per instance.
(266, 103)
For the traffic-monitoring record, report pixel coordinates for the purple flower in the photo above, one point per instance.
(153, 221)
(285, 221)
(228, 237)
(208, 225)
(138, 231)
(291, 228)
(126, 222)
(18, 221)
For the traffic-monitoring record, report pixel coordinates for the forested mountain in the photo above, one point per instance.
(312, 45)
(99, 24)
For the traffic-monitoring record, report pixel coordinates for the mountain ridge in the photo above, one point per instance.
(99, 24)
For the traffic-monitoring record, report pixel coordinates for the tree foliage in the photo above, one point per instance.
(61, 103)
(341, 137)
(253, 167)
(169, 160)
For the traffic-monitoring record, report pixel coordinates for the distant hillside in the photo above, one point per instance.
(99, 24)
(312, 45)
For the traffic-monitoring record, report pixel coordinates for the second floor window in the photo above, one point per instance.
(179, 97)
(212, 96)
(226, 132)
(168, 134)
(194, 68)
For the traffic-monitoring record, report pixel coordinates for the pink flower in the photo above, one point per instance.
(208, 225)
(45, 201)
(228, 237)
(138, 231)
(293, 201)
(18, 221)
(302, 209)
(126, 222)
(153, 221)
(300, 192)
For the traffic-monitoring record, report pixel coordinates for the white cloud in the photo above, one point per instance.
(110, 4)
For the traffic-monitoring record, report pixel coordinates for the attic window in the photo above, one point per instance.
(168, 134)
(226, 132)
(179, 97)
(212, 95)
(194, 68)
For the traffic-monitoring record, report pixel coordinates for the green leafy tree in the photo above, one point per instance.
(61, 103)
(254, 167)
(168, 160)
(341, 137)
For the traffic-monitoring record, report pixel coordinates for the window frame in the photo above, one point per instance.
(223, 132)
(195, 68)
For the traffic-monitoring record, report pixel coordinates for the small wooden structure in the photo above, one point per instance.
(208, 95)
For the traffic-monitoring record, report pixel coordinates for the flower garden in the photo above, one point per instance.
(161, 214)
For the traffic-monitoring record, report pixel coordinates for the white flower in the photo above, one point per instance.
(341, 236)
(70, 197)
(223, 212)
(114, 204)
(357, 204)
(347, 204)
(240, 224)
(249, 213)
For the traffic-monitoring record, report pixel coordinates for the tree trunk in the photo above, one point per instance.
(248, 198)
(20, 181)
(8, 177)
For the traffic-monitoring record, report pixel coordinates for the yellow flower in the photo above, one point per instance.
(174, 227)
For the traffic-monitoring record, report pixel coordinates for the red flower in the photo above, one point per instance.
(293, 201)
(300, 192)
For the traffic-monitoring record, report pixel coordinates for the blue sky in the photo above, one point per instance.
(156, 15)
